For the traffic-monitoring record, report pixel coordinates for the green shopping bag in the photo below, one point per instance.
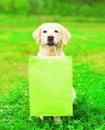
(50, 86)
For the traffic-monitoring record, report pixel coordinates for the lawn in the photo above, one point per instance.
(87, 47)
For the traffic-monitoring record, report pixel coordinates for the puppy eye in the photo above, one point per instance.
(44, 31)
(56, 31)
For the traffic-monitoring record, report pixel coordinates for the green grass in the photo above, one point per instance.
(87, 47)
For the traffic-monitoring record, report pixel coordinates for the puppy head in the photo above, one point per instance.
(51, 34)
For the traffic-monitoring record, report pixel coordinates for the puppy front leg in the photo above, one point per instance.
(73, 94)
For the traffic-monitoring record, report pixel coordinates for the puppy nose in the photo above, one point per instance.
(50, 38)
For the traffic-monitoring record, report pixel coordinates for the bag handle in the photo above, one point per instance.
(54, 50)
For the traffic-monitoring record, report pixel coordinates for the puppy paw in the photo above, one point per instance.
(41, 117)
(56, 118)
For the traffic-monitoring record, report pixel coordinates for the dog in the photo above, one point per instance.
(51, 38)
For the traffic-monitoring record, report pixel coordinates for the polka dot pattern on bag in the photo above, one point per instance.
(50, 86)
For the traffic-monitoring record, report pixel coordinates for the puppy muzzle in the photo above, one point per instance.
(50, 40)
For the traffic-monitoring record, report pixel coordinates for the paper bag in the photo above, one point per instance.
(50, 86)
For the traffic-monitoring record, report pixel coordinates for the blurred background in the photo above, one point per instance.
(94, 8)
(85, 20)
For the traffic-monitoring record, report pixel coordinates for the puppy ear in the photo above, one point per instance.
(36, 35)
(65, 35)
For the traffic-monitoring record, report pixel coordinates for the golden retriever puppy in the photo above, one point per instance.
(51, 38)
